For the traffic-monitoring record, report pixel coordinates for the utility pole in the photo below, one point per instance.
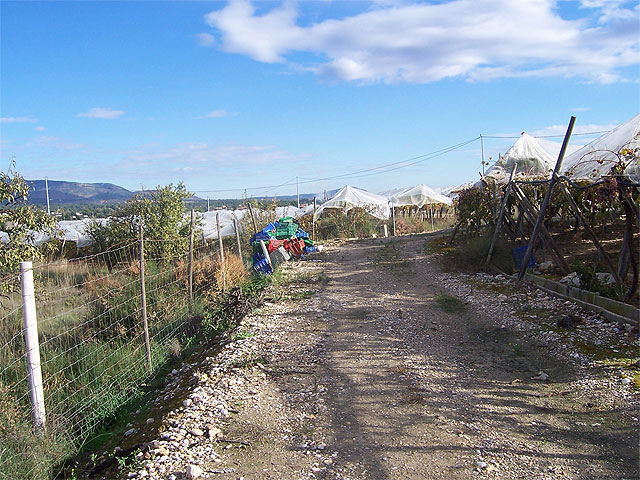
(482, 149)
(46, 187)
(297, 191)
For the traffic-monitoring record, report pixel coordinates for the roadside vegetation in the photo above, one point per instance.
(604, 206)
(90, 324)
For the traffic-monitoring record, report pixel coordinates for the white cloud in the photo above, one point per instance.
(40, 128)
(477, 40)
(216, 114)
(104, 113)
(611, 10)
(205, 155)
(25, 119)
(55, 144)
(205, 39)
(578, 129)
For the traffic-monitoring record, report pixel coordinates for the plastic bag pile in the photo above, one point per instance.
(280, 242)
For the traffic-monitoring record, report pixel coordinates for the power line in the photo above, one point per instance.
(385, 168)
(547, 136)
(421, 159)
(367, 171)
(265, 192)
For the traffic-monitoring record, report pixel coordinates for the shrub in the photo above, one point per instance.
(355, 223)
(474, 208)
(589, 281)
(20, 222)
(162, 215)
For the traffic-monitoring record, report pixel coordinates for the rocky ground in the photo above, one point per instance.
(378, 364)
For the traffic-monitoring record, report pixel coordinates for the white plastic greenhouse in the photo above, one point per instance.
(597, 158)
(350, 197)
(419, 196)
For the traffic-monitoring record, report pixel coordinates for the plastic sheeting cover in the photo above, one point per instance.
(350, 197)
(209, 225)
(532, 160)
(76, 230)
(419, 196)
(227, 229)
(597, 158)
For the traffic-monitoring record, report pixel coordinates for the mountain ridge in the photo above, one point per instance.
(62, 192)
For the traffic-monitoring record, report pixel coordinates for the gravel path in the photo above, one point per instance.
(362, 374)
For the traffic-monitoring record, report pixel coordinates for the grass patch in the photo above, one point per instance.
(301, 295)
(470, 254)
(308, 278)
(450, 304)
(242, 335)
(391, 258)
(438, 245)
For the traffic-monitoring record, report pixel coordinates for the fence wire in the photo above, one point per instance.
(90, 330)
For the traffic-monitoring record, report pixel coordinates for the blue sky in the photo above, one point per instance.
(234, 95)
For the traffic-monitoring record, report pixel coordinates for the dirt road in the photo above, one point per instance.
(373, 370)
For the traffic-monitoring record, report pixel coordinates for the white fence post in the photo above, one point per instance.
(33, 347)
(190, 272)
(143, 300)
(224, 274)
(237, 229)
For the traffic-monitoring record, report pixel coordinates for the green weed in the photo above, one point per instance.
(242, 335)
(301, 295)
(450, 304)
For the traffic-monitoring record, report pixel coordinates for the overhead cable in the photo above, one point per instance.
(367, 171)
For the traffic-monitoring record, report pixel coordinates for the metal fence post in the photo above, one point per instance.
(33, 347)
(224, 275)
(143, 296)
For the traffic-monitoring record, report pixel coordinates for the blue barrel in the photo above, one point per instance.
(518, 257)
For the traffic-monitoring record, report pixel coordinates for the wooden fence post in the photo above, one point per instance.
(143, 296)
(34, 370)
(237, 230)
(500, 218)
(530, 214)
(590, 232)
(313, 221)
(191, 233)
(628, 241)
(393, 218)
(224, 274)
(547, 198)
(431, 216)
(253, 219)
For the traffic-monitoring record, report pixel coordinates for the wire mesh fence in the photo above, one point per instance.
(91, 335)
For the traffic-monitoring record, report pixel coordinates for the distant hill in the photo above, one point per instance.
(72, 193)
